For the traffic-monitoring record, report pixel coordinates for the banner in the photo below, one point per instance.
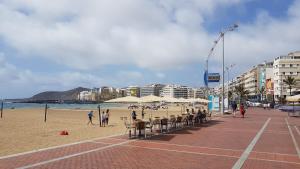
(213, 105)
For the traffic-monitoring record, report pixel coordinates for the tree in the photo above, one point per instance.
(229, 95)
(290, 81)
(240, 90)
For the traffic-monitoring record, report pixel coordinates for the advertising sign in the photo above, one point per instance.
(262, 78)
(213, 77)
(213, 105)
(269, 86)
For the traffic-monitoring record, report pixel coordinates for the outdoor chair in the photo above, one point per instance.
(148, 127)
(184, 120)
(172, 121)
(140, 125)
(190, 119)
(208, 116)
(178, 122)
(128, 127)
(156, 122)
(164, 122)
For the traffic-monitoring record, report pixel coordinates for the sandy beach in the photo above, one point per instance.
(25, 130)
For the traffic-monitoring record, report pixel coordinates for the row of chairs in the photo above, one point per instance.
(165, 125)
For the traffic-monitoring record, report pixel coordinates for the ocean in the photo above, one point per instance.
(8, 105)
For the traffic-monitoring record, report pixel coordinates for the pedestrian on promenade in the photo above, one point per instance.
(133, 115)
(103, 118)
(107, 116)
(90, 116)
(234, 107)
(242, 110)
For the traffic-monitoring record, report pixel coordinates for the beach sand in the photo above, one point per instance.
(25, 130)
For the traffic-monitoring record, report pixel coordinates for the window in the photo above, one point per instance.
(283, 73)
(283, 65)
(291, 73)
(291, 65)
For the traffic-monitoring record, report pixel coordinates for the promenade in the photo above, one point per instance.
(264, 139)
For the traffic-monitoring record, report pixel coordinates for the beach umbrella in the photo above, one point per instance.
(295, 98)
(170, 99)
(127, 99)
(183, 100)
(151, 99)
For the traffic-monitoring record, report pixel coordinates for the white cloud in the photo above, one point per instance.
(155, 35)
(85, 35)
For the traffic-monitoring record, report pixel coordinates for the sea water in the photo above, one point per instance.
(8, 105)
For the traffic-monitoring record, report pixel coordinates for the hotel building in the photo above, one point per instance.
(283, 67)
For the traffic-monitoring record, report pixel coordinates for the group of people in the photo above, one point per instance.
(104, 118)
(134, 115)
(200, 115)
(241, 108)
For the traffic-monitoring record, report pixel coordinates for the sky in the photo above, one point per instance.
(62, 44)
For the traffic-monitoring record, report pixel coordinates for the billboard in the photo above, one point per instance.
(269, 86)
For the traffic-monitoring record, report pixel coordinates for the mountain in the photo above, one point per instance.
(68, 95)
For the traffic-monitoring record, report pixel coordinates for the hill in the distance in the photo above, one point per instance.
(58, 95)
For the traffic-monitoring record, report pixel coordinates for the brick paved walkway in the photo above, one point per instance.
(219, 143)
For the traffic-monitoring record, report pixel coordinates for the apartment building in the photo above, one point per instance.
(177, 91)
(283, 67)
(147, 90)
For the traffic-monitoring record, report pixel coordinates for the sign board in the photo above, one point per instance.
(213, 77)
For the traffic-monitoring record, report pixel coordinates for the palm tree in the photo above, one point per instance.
(290, 81)
(240, 90)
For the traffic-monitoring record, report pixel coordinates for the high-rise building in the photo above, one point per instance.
(146, 90)
(283, 67)
(176, 91)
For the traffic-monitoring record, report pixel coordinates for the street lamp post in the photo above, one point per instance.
(222, 34)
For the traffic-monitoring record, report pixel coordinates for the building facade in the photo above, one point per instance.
(283, 67)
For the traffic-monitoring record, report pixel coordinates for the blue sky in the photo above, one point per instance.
(63, 44)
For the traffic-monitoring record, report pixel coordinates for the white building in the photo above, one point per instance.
(85, 96)
(199, 93)
(146, 90)
(177, 91)
(283, 67)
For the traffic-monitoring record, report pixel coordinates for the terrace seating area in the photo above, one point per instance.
(146, 128)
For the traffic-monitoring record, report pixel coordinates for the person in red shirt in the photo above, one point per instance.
(242, 110)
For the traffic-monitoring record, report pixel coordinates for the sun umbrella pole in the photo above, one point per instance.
(99, 110)
(130, 124)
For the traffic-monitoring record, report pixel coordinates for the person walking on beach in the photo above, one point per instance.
(242, 110)
(133, 115)
(103, 118)
(107, 116)
(90, 115)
